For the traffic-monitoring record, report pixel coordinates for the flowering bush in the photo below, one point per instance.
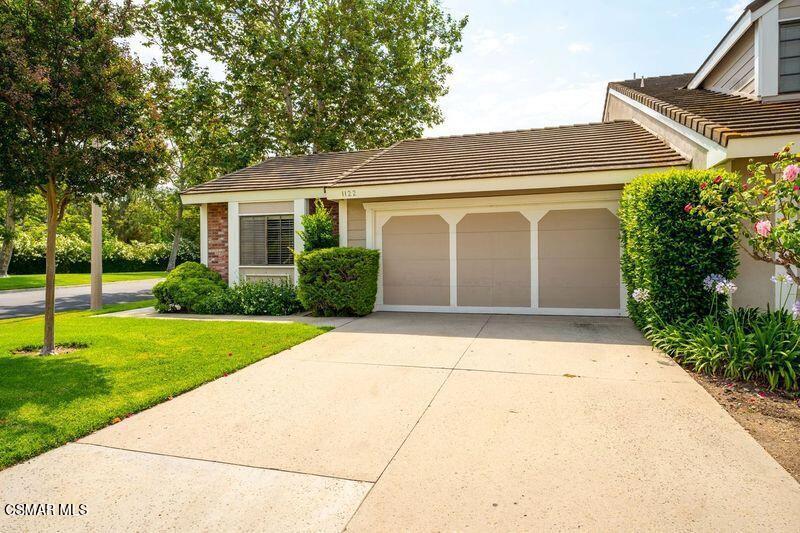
(762, 208)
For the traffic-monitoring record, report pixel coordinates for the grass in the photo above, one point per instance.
(34, 281)
(128, 364)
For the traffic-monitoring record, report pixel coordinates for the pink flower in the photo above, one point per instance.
(791, 172)
(688, 208)
(763, 227)
(718, 179)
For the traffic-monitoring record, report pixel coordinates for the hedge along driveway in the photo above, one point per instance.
(127, 365)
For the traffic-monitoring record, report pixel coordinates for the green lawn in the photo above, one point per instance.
(128, 364)
(33, 281)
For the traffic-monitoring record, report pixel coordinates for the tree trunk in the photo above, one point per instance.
(8, 239)
(176, 239)
(48, 347)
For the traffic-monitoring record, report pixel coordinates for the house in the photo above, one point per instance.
(520, 221)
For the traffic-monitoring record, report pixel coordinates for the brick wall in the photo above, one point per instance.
(332, 207)
(218, 238)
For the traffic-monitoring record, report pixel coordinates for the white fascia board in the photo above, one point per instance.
(276, 195)
(483, 185)
(715, 153)
(767, 45)
(730, 39)
(741, 147)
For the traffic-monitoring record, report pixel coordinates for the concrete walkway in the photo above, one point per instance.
(29, 302)
(420, 422)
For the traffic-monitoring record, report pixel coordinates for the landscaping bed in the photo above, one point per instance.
(773, 419)
(115, 367)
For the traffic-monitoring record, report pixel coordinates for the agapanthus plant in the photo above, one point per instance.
(760, 210)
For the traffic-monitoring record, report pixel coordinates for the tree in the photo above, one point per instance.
(77, 108)
(761, 210)
(319, 75)
(7, 234)
(194, 111)
(317, 229)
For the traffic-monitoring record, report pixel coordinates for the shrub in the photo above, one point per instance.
(666, 249)
(338, 281)
(186, 286)
(317, 229)
(266, 298)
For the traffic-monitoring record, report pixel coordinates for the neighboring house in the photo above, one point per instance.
(520, 221)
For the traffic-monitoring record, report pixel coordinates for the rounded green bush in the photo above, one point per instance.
(666, 249)
(186, 286)
(338, 281)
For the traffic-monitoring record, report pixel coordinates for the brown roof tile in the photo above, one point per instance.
(579, 148)
(718, 116)
(316, 170)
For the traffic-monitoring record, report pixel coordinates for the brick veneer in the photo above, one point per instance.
(332, 207)
(218, 238)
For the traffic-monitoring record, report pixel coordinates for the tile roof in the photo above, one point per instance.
(718, 116)
(578, 148)
(315, 170)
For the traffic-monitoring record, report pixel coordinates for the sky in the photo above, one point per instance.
(537, 63)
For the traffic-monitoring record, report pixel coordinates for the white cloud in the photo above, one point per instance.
(734, 11)
(579, 48)
(487, 42)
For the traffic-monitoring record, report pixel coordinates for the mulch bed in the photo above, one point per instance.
(773, 419)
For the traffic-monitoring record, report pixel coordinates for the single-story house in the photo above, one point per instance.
(520, 221)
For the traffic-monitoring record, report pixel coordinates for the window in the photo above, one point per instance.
(266, 240)
(789, 57)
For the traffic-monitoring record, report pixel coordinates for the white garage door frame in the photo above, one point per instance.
(533, 207)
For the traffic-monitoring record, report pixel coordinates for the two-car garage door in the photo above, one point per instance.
(528, 261)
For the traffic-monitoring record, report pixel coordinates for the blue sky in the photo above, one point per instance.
(535, 63)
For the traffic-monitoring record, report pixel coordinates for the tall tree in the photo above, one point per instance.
(7, 234)
(79, 105)
(194, 111)
(319, 75)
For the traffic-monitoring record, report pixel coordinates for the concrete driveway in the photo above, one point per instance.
(424, 422)
(28, 302)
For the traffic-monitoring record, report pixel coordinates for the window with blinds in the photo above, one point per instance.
(789, 57)
(266, 240)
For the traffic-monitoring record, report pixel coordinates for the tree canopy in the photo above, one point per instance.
(319, 75)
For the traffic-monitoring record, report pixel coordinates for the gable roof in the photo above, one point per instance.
(718, 116)
(578, 148)
(292, 172)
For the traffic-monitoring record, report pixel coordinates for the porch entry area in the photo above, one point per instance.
(552, 254)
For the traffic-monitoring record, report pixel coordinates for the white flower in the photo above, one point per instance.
(726, 287)
(641, 295)
(782, 278)
(712, 280)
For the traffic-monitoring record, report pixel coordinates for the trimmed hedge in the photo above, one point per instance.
(186, 287)
(666, 249)
(338, 281)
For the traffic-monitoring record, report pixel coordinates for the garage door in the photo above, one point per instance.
(530, 259)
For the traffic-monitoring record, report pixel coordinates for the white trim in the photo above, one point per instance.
(532, 207)
(204, 234)
(276, 195)
(767, 52)
(300, 209)
(233, 243)
(716, 153)
(285, 267)
(484, 185)
(342, 222)
(499, 310)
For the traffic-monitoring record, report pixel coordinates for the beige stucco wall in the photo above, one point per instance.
(579, 259)
(494, 260)
(616, 109)
(416, 261)
(266, 208)
(754, 279)
(274, 274)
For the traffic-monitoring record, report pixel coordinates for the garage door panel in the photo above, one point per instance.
(494, 260)
(416, 261)
(579, 259)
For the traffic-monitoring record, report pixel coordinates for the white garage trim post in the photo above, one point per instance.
(204, 234)
(342, 222)
(533, 207)
(233, 243)
(300, 209)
